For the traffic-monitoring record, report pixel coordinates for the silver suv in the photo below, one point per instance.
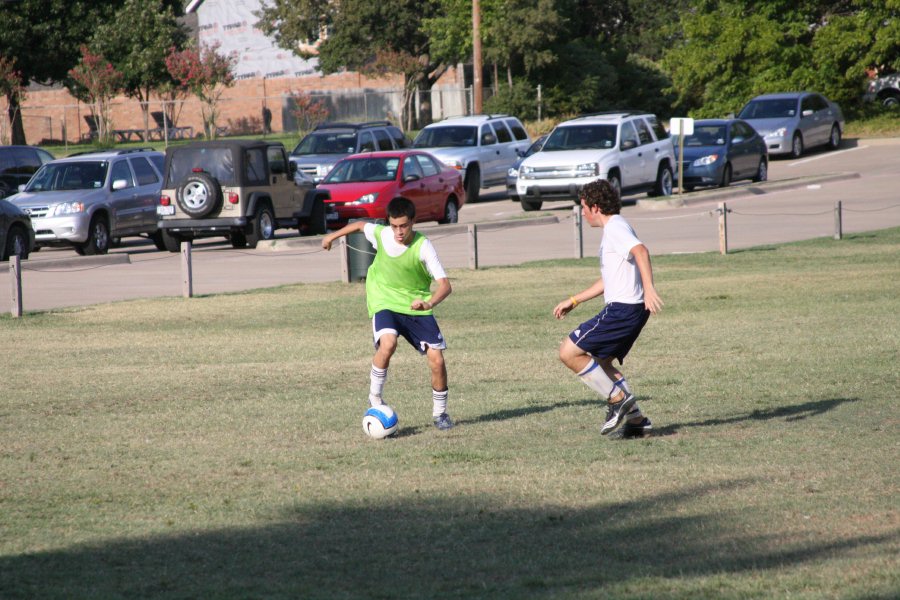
(630, 150)
(87, 199)
(481, 147)
(885, 90)
(328, 143)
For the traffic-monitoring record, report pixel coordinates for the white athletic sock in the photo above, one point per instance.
(377, 378)
(596, 378)
(440, 402)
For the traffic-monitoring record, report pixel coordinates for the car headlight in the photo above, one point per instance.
(323, 170)
(366, 199)
(706, 160)
(512, 172)
(586, 170)
(66, 208)
(777, 133)
(454, 163)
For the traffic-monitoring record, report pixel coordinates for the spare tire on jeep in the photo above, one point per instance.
(199, 194)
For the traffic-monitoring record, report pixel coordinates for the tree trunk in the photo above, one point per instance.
(423, 89)
(17, 133)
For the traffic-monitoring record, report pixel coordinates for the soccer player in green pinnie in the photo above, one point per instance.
(400, 301)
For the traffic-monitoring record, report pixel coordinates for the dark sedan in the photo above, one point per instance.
(721, 151)
(16, 233)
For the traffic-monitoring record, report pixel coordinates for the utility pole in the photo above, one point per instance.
(476, 57)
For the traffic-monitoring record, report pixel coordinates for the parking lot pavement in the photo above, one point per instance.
(769, 214)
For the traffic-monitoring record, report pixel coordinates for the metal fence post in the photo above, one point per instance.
(723, 228)
(345, 261)
(15, 276)
(187, 277)
(473, 246)
(838, 223)
(579, 239)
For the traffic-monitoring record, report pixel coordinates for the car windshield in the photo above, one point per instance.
(770, 109)
(363, 169)
(327, 142)
(81, 175)
(706, 135)
(447, 136)
(215, 161)
(579, 137)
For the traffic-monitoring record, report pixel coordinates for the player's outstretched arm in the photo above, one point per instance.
(566, 306)
(345, 230)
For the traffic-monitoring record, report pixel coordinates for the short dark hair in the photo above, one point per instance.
(401, 207)
(602, 194)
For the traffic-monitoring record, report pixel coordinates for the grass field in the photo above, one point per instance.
(212, 447)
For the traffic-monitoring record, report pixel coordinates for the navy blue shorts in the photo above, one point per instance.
(612, 332)
(421, 331)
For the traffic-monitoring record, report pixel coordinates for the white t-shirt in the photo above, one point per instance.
(427, 254)
(621, 277)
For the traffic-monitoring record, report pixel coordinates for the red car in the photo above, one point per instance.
(362, 185)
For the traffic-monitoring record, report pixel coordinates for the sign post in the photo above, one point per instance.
(681, 127)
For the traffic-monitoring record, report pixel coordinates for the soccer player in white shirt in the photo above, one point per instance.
(626, 283)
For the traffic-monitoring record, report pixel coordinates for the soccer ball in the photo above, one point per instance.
(380, 421)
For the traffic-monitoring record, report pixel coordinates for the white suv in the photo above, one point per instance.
(631, 150)
(481, 147)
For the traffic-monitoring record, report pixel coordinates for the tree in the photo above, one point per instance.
(96, 81)
(307, 111)
(206, 73)
(139, 53)
(11, 86)
(365, 36)
(60, 26)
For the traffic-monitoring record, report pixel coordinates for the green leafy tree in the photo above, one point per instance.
(206, 74)
(11, 86)
(365, 36)
(95, 81)
(139, 53)
(44, 37)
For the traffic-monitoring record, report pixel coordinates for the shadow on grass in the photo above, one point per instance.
(434, 547)
(794, 412)
(523, 411)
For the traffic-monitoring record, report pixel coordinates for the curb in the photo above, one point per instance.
(316, 241)
(77, 262)
(749, 189)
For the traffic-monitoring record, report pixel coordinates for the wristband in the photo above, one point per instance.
(574, 301)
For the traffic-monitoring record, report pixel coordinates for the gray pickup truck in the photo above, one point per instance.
(481, 147)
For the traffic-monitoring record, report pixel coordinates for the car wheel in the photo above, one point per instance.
(451, 212)
(472, 183)
(891, 100)
(262, 228)
(157, 239)
(615, 182)
(238, 240)
(98, 238)
(797, 146)
(315, 224)
(16, 244)
(834, 142)
(663, 185)
(170, 242)
(199, 195)
(726, 176)
(762, 172)
(531, 205)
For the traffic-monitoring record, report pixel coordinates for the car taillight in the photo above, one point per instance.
(196, 170)
(165, 201)
(233, 198)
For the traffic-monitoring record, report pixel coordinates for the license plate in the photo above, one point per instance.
(165, 211)
(332, 216)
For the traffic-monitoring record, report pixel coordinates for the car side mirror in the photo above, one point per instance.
(488, 139)
(409, 178)
(628, 144)
(807, 113)
(292, 168)
(737, 139)
(120, 184)
(22, 187)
